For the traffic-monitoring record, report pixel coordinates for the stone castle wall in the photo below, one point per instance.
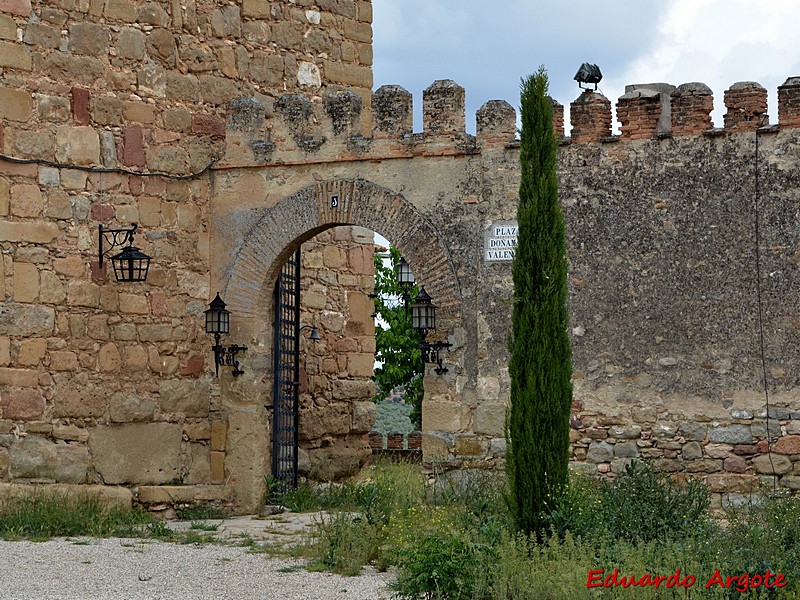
(260, 120)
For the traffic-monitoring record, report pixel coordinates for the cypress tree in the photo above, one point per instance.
(537, 423)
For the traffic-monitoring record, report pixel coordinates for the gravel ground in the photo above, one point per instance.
(111, 569)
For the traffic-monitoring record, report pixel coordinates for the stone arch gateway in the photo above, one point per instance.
(265, 238)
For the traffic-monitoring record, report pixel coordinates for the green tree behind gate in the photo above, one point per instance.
(397, 345)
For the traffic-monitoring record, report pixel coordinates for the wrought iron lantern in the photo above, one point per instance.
(405, 276)
(129, 265)
(423, 319)
(406, 280)
(218, 323)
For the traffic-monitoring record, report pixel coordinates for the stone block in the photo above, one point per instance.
(8, 28)
(777, 464)
(134, 357)
(16, 7)
(15, 105)
(316, 423)
(443, 416)
(187, 397)
(625, 432)
(128, 408)
(26, 200)
(732, 434)
(339, 460)
(106, 110)
(83, 293)
(26, 282)
(360, 365)
(217, 464)
(89, 39)
(197, 432)
(599, 452)
(31, 351)
(130, 44)
(15, 56)
(735, 464)
(724, 482)
(109, 358)
(63, 360)
(490, 418)
(692, 451)
(34, 457)
(469, 445)
(147, 453)
(26, 319)
(627, 449)
(78, 145)
(5, 351)
(155, 333)
(86, 401)
(5, 195)
(199, 467)
(351, 390)
(22, 405)
(364, 415)
(37, 233)
(71, 266)
(789, 444)
(18, 377)
(133, 304)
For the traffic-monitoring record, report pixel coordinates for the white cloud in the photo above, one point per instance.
(720, 42)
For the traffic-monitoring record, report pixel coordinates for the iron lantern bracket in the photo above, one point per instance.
(226, 356)
(114, 238)
(430, 354)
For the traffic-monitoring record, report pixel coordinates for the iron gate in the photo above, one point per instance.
(287, 371)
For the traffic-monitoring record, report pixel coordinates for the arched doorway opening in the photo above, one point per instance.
(274, 235)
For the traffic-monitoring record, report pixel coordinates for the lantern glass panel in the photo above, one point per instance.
(130, 264)
(404, 274)
(217, 318)
(423, 315)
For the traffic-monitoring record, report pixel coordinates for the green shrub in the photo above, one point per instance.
(645, 504)
(347, 542)
(640, 504)
(439, 566)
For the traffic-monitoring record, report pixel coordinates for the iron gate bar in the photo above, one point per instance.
(287, 374)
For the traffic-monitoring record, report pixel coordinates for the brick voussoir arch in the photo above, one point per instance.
(299, 217)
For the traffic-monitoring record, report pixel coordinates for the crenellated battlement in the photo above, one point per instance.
(299, 128)
(660, 110)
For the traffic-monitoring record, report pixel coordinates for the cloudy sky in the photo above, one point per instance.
(488, 46)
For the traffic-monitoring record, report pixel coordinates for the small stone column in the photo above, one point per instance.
(591, 117)
(638, 113)
(746, 102)
(376, 440)
(443, 108)
(392, 111)
(789, 103)
(496, 122)
(558, 119)
(691, 105)
(394, 441)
